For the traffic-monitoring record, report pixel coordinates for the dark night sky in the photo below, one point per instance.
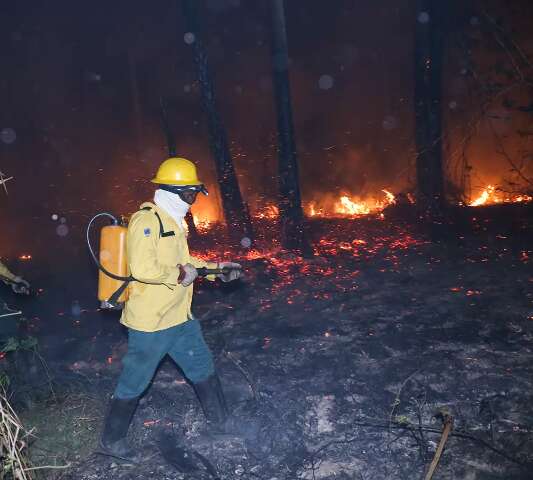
(67, 90)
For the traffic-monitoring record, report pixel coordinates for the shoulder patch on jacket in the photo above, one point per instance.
(147, 232)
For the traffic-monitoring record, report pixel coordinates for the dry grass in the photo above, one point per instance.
(13, 444)
(65, 430)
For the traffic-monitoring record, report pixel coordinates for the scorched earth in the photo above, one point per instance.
(342, 366)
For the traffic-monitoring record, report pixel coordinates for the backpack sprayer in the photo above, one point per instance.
(114, 275)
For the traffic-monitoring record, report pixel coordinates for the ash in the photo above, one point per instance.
(341, 366)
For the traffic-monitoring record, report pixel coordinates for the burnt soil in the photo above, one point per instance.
(340, 366)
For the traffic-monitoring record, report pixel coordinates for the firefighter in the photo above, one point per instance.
(157, 311)
(18, 284)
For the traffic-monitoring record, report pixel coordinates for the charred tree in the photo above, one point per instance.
(235, 211)
(290, 204)
(135, 101)
(429, 46)
(171, 147)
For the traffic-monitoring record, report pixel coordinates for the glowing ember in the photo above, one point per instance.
(490, 195)
(270, 211)
(150, 423)
(202, 225)
(25, 257)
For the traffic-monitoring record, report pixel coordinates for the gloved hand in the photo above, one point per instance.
(234, 273)
(20, 286)
(188, 274)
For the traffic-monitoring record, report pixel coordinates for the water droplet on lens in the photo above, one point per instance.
(62, 230)
(325, 82)
(423, 17)
(189, 38)
(8, 135)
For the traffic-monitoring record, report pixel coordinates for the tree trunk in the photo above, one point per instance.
(136, 103)
(172, 149)
(290, 204)
(429, 41)
(235, 211)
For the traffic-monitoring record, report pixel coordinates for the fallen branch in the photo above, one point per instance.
(457, 434)
(425, 428)
(448, 425)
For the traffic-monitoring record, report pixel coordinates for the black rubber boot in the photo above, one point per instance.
(221, 424)
(213, 402)
(113, 441)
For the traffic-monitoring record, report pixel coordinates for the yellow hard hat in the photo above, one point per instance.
(177, 171)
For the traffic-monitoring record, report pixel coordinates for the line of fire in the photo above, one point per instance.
(276, 240)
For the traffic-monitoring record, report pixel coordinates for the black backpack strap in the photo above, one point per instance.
(162, 232)
(118, 292)
(113, 299)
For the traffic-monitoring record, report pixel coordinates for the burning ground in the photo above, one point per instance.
(339, 365)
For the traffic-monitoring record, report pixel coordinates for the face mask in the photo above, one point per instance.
(172, 204)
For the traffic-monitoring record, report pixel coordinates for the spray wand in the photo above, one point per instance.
(204, 271)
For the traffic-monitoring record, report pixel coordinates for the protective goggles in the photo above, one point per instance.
(177, 189)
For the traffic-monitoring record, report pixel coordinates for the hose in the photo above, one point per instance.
(98, 264)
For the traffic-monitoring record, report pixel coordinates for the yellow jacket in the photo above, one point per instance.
(4, 272)
(156, 301)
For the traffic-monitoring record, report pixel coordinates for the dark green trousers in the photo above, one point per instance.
(184, 343)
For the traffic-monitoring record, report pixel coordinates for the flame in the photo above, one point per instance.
(25, 256)
(205, 217)
(391, 199)
(484, 197)
(490, 195)
(346, 206)
(314, 212)
(351, 206)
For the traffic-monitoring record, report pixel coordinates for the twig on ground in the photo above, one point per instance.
(423, 442)
(241, 369)
(47, 372)
(397, 398)
(49, 467)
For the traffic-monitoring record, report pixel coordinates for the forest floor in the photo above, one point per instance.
(341, 366)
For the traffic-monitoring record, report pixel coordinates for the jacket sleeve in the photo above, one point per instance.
(198, 263)
(4, 272)
(143, 235)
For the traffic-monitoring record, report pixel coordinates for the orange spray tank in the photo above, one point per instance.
(112, 263)
(114, 259)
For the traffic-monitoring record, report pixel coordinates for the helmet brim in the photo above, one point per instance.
(177, 183)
